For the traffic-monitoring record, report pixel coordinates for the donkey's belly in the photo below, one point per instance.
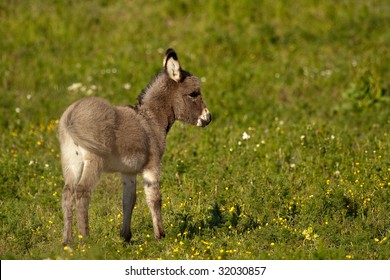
(128, 165)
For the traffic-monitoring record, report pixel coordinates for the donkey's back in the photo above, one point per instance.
(91, 127)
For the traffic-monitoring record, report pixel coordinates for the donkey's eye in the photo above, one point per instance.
(194, 94)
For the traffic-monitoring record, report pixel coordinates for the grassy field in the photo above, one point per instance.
(295, 165)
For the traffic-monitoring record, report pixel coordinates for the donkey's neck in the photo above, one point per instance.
(155, 104)
(160, 118)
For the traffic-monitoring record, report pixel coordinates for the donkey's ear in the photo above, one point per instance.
(172, 65)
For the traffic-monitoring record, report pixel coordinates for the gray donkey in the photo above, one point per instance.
(98, 137)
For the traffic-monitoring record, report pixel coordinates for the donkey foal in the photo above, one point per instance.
(98, 137)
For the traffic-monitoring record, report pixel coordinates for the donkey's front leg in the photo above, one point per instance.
(153, 198)
(128, 200)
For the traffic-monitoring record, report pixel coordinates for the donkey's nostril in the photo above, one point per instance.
(207, 117)
(204, 119)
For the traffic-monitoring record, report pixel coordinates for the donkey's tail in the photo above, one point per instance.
(87, 142)
(89, 126)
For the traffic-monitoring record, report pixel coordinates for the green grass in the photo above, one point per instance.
(308, 81)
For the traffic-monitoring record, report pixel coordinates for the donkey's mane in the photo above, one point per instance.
(143, 93)
(146, 89)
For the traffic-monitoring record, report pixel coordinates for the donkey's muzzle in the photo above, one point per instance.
(205, 118)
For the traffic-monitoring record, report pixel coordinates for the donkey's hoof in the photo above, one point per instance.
(159, 236)
(66, 242)
(126, 235)
(127, 239)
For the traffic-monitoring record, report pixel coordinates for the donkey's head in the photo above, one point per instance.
(185, 91)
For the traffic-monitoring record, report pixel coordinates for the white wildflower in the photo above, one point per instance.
(127, 86)
(245, 136)
(75, 86)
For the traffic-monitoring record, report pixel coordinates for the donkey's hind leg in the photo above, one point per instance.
(92, 169)
(67, 208)
(72, 165)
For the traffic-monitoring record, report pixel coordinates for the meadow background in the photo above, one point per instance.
(295, 165)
